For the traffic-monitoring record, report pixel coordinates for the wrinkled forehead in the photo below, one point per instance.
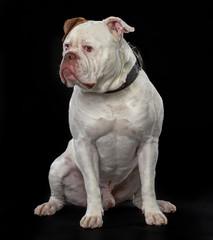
(92, 31)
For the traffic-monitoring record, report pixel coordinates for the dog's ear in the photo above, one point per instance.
(117, 27)
(70, 24)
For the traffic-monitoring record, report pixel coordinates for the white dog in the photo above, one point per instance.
(115, 119)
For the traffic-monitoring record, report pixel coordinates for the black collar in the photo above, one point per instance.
(132, 75)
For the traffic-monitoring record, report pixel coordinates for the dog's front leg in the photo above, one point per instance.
(147, 159)
(88, 163)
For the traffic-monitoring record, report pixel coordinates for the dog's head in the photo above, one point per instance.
(95, 55)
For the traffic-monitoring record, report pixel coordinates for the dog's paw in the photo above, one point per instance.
(45, 209)
(49, 208)
(166, 207)
(91, 221)
(155, 218)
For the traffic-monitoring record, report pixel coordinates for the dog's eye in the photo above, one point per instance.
(67, 47)
(88, 48)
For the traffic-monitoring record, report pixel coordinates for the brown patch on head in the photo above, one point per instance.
(70, 24)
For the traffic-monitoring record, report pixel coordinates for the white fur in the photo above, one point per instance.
(115, 135)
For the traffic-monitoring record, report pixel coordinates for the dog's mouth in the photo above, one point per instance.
(68, 75)
(69, 78)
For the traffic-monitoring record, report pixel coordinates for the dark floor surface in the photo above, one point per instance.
(193, 220)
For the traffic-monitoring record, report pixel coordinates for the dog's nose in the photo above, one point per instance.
(69, 56)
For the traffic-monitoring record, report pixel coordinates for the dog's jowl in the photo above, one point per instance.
(115, 118)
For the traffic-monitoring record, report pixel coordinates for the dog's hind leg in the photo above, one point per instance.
(58, 170)
(165, 207)
(137, 199)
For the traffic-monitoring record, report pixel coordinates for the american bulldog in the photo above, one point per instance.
(115, 118)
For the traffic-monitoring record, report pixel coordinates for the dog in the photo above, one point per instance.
(115, 118)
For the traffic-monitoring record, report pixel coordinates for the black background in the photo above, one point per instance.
(175, 41)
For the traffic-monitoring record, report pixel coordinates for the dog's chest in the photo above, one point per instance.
(117, 126)
(132, 119)
(122, 131)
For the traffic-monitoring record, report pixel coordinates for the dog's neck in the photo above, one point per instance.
(133, 74)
